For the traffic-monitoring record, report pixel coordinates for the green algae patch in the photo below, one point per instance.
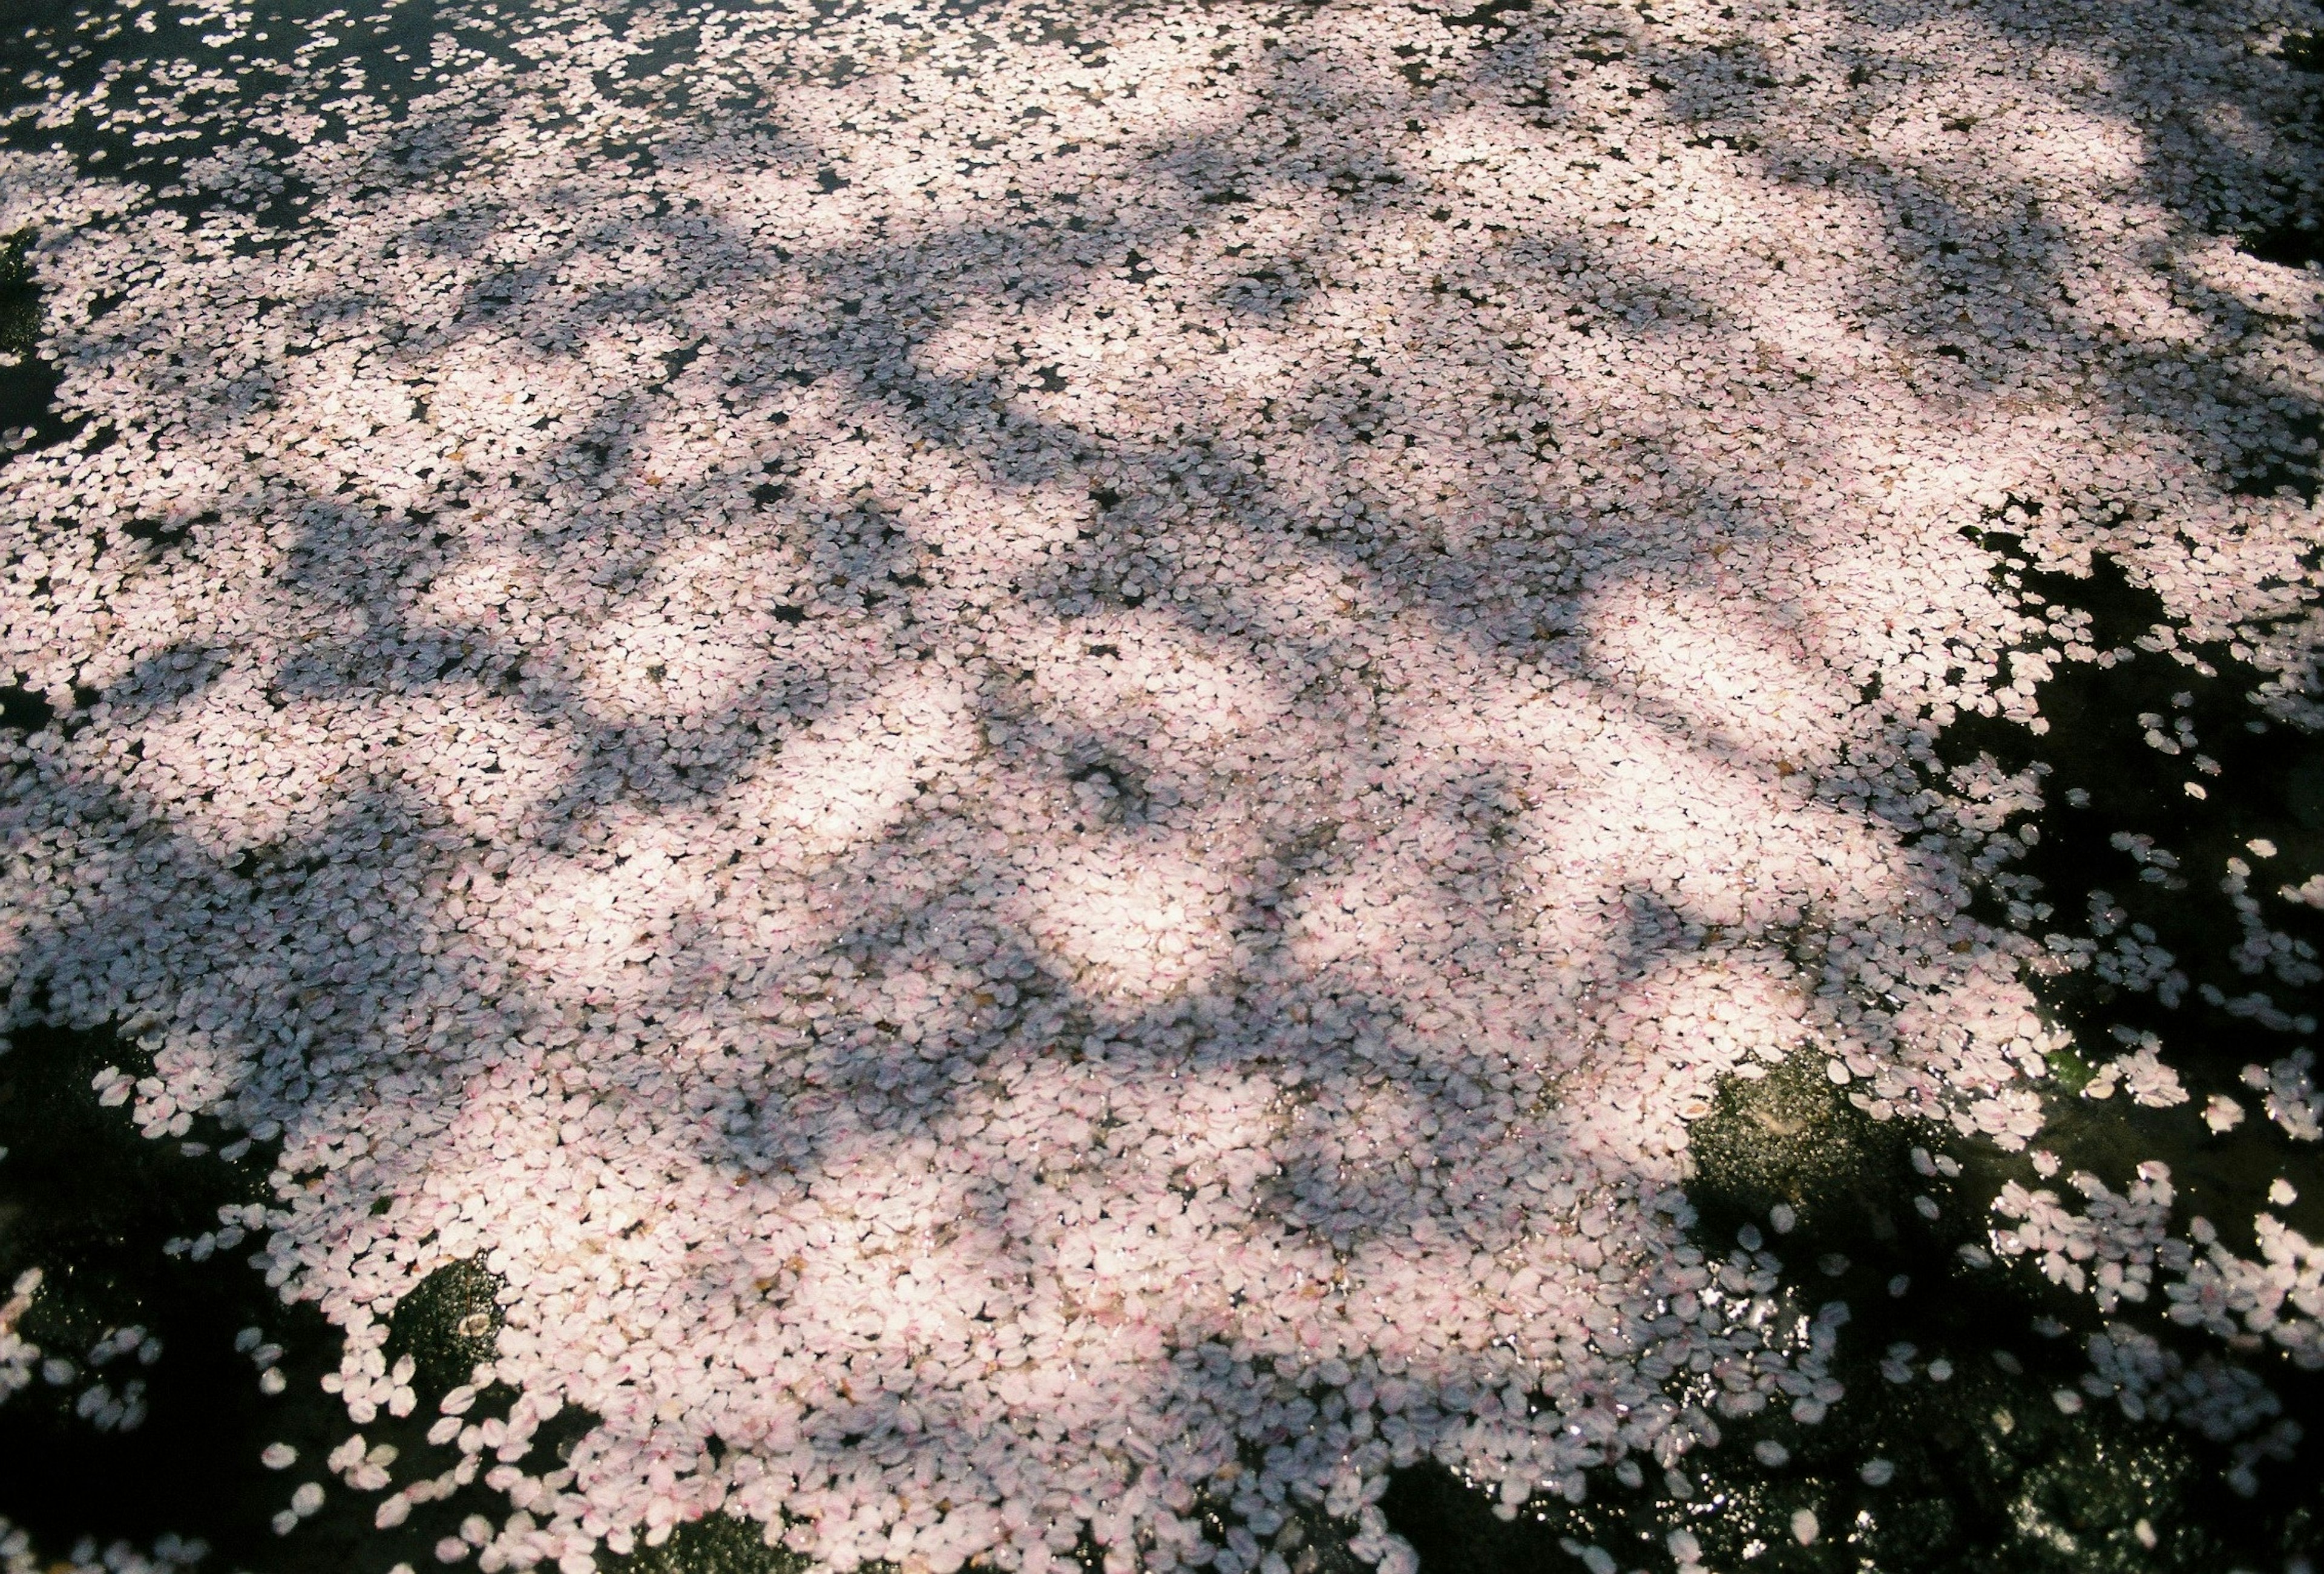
(717, 1544)
(1792, 1139)
(1980, 1471)
(449, 1323)
(20, 296)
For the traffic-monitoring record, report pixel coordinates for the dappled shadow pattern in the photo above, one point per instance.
(1036, 768)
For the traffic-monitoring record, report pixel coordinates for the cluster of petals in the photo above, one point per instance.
(167, 1554)
(2224, 1401)
(2118, 1244)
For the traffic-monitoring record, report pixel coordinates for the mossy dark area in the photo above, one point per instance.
(20, 296)
(1989, 1473)
(2107, 783)
(447, 1324)
(28, 384)
(1790, 1138)
(90, 1203)
(718, 1544)
(1988, 1476)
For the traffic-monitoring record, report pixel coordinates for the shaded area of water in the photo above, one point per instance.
(28, 384)
(1982, 1468)
(93, 1205)
(2126, 853)
(88, 1202)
